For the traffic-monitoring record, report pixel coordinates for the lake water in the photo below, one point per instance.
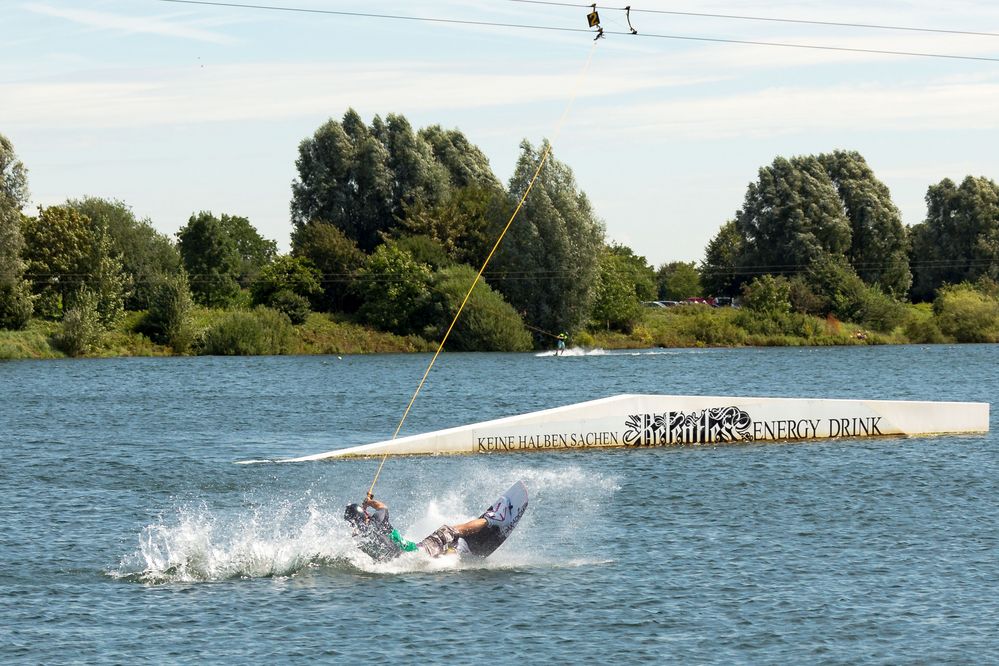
(128, 534)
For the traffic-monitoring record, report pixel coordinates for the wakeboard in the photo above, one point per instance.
(501, 517)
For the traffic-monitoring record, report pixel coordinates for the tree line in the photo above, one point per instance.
(390, 224)
(823, 230)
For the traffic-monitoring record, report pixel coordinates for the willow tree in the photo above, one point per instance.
(547, 265)
(878, 239)
(15, 292)
(465, 163)
(809, 209)
(791, 216)
(360, 178)
(959, 240)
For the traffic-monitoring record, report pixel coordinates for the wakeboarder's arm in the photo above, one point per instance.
(379, 510)
(380, 507)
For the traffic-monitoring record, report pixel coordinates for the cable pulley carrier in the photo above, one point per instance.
(593, 20)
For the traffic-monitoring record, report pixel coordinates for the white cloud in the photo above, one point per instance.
(654, 97)
(941, 105)
(278, 91)
(130, 24)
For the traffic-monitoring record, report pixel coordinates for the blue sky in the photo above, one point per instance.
(176, 108)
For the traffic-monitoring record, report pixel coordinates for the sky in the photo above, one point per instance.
(175, 108)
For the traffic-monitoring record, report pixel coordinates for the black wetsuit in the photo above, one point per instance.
(377, 539)
(381, 542)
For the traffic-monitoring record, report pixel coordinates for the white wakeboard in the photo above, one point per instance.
(501, 517)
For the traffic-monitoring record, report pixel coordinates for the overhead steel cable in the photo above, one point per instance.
(397, 17)
(816, 47)
(771, 19)
(453, 21)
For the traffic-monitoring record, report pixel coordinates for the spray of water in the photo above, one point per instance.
(285, 538)
(580, 351)
(573, 351)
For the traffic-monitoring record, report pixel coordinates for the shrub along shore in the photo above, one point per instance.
(965, 315)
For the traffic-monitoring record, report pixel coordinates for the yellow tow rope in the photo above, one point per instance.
(530, 185)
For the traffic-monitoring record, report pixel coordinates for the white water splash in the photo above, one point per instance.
(597, 351)
(573, 351)
(284, 538)
(200, 544)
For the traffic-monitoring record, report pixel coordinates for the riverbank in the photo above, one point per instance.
(320, 334)
(681, 327)
(701, 326)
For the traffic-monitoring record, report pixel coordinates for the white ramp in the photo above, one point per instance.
(635, 421)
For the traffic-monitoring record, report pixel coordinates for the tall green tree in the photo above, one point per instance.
(465, 163)
(361, 179)
(345, 179)
(465, 223)
(13, 175)
(254, 250)
(333, 187)
(678, 280)
(67, 252)
(15, 292)
(806, 209)
(547, 265)
(417, 175)
(211, 259)
(959, 240)
(721, 270)
(146, 254)
(59, 247)
(791, 216)
(337, 259)
(616, 304)
(878, 239)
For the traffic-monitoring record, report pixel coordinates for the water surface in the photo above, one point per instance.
(127, 533)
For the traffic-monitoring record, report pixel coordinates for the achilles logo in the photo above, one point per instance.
(716, 424)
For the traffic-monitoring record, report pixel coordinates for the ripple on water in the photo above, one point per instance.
(126, 533)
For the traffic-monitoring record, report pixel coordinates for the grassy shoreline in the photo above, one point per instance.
(320, 334)
(695, 327)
